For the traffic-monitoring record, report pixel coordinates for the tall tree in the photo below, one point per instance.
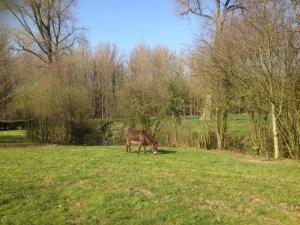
(7, 79)
(47, 27)
(218, 18)
(269, 60)
(140, 62)
(109, 69)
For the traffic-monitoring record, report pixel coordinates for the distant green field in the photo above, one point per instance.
(238, 124)
(105, 185)
(12, 135)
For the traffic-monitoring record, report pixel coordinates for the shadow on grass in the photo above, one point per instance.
(166, 151)
(160, 152)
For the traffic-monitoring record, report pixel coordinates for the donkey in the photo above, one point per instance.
(139, 137)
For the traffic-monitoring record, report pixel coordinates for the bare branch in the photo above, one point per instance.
(48, 23)
(193, 7)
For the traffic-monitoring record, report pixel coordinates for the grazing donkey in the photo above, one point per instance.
(139, 137)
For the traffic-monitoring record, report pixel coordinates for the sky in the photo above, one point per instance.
(127, 23)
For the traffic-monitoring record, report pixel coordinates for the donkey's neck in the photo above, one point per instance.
(148, 140)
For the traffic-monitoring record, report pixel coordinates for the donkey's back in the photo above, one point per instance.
(135, 135)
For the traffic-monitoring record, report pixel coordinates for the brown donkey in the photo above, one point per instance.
(139, 137)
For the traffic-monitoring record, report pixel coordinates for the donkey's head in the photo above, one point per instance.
(154, 147)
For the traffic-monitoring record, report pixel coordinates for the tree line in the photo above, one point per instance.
(248, 62)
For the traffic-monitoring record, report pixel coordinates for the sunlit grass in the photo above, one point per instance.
(238, 124)
(105, 185)
(12, 135)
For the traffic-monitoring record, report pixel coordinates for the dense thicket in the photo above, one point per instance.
(248, 65)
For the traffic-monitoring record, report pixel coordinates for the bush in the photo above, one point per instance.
(93, 132)
(58, 111)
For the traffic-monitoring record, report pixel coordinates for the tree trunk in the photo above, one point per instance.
(220, 140)
(221, 117)
(206, 116)
(102, 106)
(275, 131)
(191, 106)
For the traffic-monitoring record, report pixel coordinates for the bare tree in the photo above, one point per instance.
(140, 62)
(7, 78)
(109, 69)
(47, 27)
(218, 18)
(269, 58)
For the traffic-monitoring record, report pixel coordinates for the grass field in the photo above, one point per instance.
(12, 135)
(105, 185)
(238, 124)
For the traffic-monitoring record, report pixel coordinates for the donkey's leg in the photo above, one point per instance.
(140, 148)
(129, 145)
(145, 149)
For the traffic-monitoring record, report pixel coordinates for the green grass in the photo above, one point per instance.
(238, 124)
(12, 135)
(105, 185)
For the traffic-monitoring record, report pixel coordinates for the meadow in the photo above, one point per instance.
(238, 124)
(12, 135)
(105, 185)
(66, 86)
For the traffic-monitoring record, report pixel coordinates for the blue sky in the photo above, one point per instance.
(127, 23)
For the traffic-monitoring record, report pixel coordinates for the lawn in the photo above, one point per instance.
(105, 185)
(12, 135)
(238, 124)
